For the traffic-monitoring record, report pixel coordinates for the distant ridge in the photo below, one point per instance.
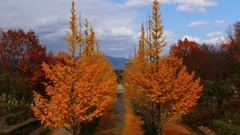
(118, 63)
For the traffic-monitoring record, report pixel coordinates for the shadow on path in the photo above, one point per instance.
(112, 122)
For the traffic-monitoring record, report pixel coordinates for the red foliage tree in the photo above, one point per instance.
(22, 56)
(233, 41)
(190, 51)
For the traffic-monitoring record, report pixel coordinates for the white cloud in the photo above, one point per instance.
(164, 1)
(190, 38)
(121, 31)
(139, 3)
(194, 5)
(201, 3)
(114, 25)
(170, 36)
(185, 8)
(212, 41)
(219, 23)
(215, 34)
(198, 24)
(189, 8)
(136, 3)
(215, 41)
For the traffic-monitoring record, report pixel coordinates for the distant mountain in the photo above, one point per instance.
(118, 63)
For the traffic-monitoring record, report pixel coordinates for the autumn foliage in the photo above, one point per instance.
(80, 88)
(233, 41)
(213, 63)
(159, 86)
(21, 59)
(189, 51)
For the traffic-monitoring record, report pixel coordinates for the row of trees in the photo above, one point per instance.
(158, 86)
(218, 65)
(79, 89)
(69, 90)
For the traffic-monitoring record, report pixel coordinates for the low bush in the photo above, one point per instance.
(197, 117)
(232, 116)
(201, 116)
(223, 128)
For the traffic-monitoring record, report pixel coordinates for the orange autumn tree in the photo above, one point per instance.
(134, 94)
(80, 89)
(159, 86)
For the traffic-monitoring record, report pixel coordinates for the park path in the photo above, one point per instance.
(112, 122)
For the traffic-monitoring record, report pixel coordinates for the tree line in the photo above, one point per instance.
(161, 86)
(158, 86)
(216, 64)
(68, 90)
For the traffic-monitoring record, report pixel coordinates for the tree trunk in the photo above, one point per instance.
(75, 129)
(159, 130)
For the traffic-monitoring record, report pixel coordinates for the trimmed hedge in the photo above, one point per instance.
(223, 128)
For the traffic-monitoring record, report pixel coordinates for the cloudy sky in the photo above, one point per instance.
(117, 22)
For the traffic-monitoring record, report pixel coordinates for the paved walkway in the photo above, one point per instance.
(112, 122)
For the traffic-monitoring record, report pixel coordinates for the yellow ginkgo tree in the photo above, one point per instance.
(80, 88)
(158, 86)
